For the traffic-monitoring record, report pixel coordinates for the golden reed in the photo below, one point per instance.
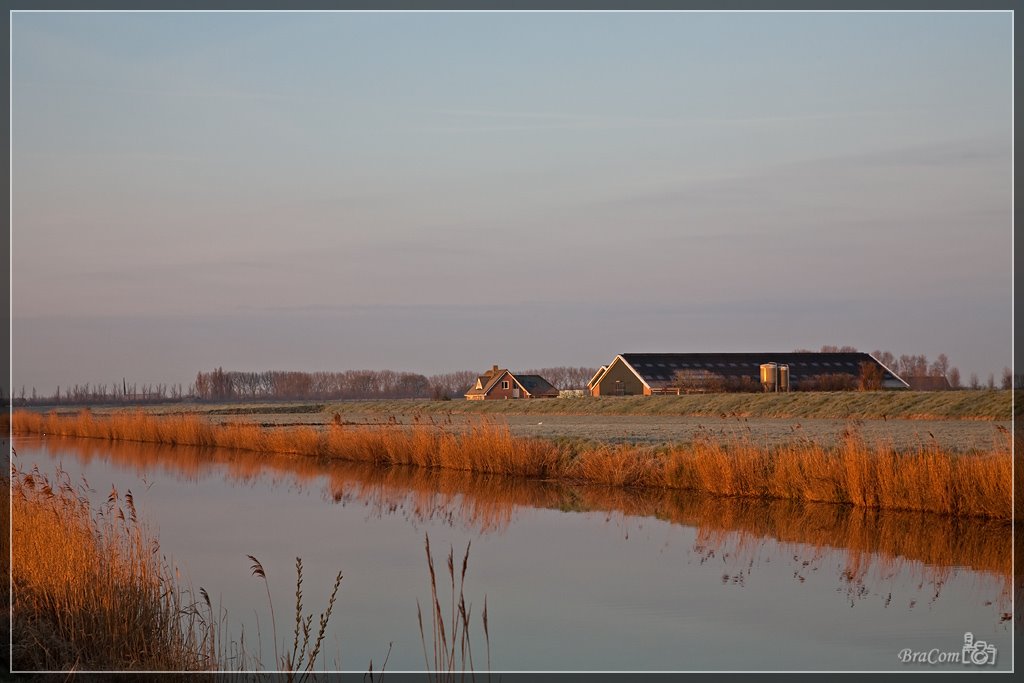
(925, 479)
(89, 591)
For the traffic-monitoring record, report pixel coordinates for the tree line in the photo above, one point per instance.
(232, 385)
(218, 385)
(910, 365)
(115, 392)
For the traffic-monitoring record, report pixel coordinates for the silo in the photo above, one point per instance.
(783, 378)
(769, 376)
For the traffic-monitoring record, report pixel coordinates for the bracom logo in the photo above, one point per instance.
(973, 653)
(978, 652)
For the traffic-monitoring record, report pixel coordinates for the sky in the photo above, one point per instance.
(446, 191)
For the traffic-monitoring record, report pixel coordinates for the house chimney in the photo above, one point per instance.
(494, 370)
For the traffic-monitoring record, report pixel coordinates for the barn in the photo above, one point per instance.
(644, 374)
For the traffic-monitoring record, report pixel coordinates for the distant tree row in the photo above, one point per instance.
(113, 393)
(563, 377)
(918, 366)
(232, 385)
(219, 385)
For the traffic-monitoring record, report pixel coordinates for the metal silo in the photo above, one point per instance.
(769, 376)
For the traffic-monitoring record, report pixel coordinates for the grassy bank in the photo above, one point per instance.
(89, 592)
(925, 479)
(842, 405)
(868, 405)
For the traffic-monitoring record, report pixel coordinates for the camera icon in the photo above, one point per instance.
(978, 652)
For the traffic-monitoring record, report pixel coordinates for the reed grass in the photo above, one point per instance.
(89, 591)
(926, 478)
(90, 594)
(451, 656)
(297, 665)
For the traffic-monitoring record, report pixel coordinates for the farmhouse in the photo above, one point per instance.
(500, 383)
(635, 374)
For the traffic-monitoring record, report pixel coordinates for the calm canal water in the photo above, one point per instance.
(575, 579)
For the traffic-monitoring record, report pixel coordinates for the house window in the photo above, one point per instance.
(504, 385)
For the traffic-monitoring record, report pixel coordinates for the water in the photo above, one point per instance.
(575, 578)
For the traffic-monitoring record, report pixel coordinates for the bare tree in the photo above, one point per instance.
(975, 384)
(885, 358)
(1007, 378)
(829, 348)
(954, 377)
(452, 383)
(202, 386)
(940, 367)
(565, 377)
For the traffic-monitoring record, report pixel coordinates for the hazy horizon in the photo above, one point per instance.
(444, 191)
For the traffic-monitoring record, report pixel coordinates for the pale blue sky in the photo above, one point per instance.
(443, 191)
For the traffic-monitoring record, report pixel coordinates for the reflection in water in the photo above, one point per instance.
(873, 545)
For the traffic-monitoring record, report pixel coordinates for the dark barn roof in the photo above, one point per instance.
(658, 369)
(536, 385)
